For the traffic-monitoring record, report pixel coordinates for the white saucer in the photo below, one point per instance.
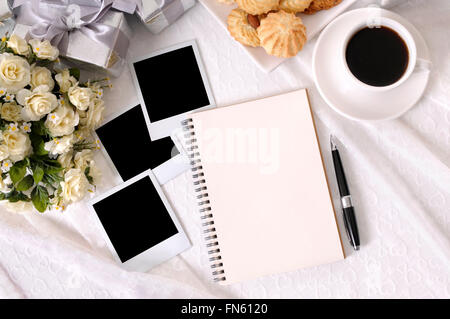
(361, 104)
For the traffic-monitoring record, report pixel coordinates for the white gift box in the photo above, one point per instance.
(159, 14)
(87, 52)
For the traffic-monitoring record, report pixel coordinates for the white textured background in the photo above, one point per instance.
(398, 172)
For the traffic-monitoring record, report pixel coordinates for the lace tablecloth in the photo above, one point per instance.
(398, 172)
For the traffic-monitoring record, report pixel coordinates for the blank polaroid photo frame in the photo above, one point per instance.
(128, 131)
(171, 83)
(138, 224)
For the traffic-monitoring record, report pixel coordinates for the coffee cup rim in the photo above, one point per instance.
(403, 33)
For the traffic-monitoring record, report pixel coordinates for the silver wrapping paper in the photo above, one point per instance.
(7, 27)
(159, 14)
(5, 12)
(88, 53)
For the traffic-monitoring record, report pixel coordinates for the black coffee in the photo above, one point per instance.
(377, 56)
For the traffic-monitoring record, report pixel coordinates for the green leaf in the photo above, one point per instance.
(89, 178)
(25, 183)
(39, 128)
(52, 179)
(9, 50)
(17, 172)
(31, 56)
(83, 146)
(2, 196)
(75, 72)
(52, 162)
(24, 198)
(39, 197)
(51, 166)
(3, 124)
(38, 173)
(52, 169)
(15, 196)
(38, 144)
(43, 62)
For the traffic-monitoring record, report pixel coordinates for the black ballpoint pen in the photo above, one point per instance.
(351, 226)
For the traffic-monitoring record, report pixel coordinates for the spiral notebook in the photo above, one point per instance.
(261, 187)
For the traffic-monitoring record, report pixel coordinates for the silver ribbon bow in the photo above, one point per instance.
(56, 20)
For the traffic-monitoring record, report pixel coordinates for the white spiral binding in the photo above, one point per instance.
(212, 243)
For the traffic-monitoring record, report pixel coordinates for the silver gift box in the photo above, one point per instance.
(5, 12)
(159, 14)
(6, 19)
(88, 53)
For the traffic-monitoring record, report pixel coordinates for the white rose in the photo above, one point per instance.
(82, 133)
(59, 145)
(4, 153)
(66, 159)
(62, 121)
(75, 185)
(18, 45)
(41, 76)
(11, 112)
(94, 115)
(95, 172)
(81, 97)
(19, 145)
(83, 159)
(44, 50)
(14, 72)
(37, 103)
(65, 80)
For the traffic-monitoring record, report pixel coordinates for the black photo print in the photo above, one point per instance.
(171, 83)
(130, 130)
(135, 219)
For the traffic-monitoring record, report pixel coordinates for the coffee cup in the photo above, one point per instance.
(369, 45)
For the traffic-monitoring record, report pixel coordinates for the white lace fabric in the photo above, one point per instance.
(398, 173)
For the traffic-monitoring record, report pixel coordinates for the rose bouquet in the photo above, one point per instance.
(46, 119)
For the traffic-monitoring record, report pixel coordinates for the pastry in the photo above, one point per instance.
(294, 6)
(257, 6)
(282, 34)
(317, 5)
(241, 29)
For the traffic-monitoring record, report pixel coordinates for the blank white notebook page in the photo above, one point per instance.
(267, 187)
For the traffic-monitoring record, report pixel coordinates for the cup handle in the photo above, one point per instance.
(374, 21)
(423, 65)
